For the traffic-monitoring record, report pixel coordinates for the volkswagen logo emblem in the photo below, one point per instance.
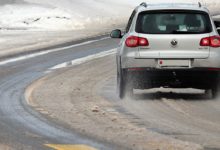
(174, 43)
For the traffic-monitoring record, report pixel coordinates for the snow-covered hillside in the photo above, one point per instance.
(73, 14)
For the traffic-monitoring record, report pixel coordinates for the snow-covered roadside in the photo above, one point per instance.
(36, 24)
(14, 43)
(31, 26)
(74, 14)
(63, 15)
(33, 17)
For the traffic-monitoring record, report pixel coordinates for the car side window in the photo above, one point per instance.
(130, 21)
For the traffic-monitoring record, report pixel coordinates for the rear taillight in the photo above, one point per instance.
(134, 41)
(213, 41)
(143, 42)
(205, 42)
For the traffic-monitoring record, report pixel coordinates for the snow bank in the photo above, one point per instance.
(35, 17)
(72, 14)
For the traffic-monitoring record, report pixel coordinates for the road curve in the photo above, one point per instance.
(187, 115)
(21, 127)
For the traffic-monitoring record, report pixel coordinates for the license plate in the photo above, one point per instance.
(174, 63)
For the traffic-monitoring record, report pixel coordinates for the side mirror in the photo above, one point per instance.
(116, 34)
(218, 29)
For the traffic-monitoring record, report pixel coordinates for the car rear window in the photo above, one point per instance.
(173, 22)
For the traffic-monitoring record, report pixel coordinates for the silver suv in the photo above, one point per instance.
(168, 45)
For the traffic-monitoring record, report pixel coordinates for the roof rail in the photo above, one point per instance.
(144, 4)
(200, 5)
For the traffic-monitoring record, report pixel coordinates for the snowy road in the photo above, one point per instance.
(185, 116)
(188, 116)
(24, 128)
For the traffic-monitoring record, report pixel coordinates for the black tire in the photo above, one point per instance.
(124, 85)
(216, 89)
(120, 86)
(215, 92)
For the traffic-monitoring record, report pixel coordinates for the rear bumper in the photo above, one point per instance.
(129, 62)
(201, 74)
(201, 78)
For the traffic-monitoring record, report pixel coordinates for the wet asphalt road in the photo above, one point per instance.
(24, 128)
(188, 115)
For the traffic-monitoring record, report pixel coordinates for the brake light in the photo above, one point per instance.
(205, 42)
(143, 42)
(213, 41)
(134, 41)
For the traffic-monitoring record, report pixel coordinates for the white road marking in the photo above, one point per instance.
(84, 59)
(28, 56)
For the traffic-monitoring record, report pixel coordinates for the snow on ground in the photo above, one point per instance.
(73, 14)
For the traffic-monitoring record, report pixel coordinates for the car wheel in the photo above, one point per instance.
(120, 86)
(215, 92)
(124, 86)
(215, 89)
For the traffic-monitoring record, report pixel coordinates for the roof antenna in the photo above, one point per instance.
(144, 4)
